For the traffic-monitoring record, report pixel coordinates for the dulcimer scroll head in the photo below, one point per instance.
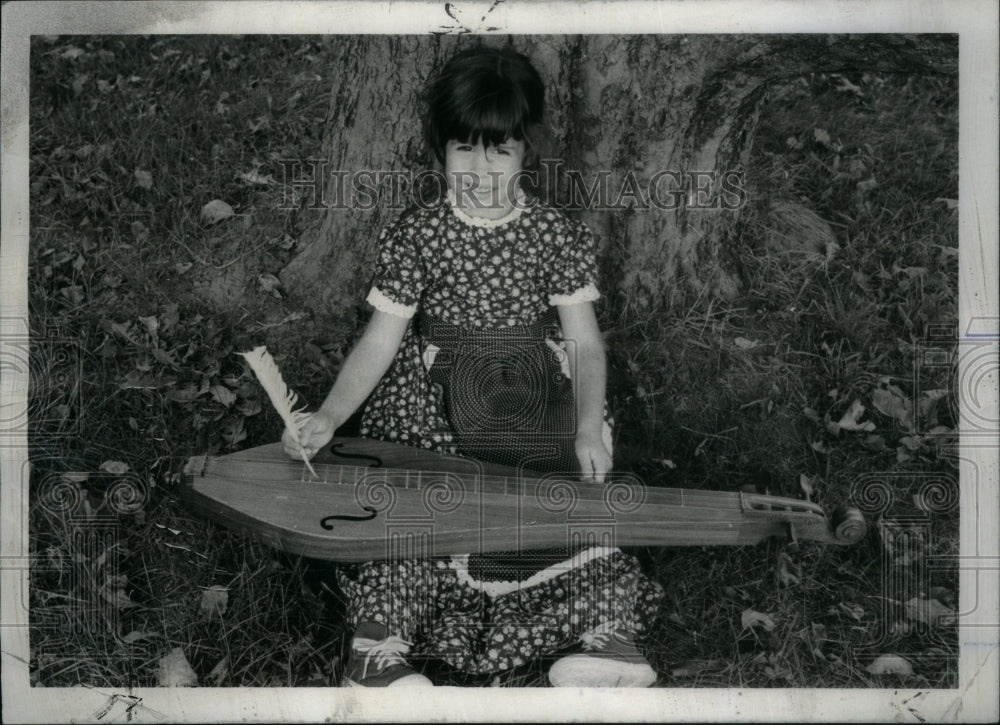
(849, 525)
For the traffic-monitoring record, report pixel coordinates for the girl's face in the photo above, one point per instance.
(484, 180)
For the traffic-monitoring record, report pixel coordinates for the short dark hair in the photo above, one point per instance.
(488, 94)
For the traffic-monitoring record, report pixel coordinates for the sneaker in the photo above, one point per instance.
(610, 659)
(380, 662)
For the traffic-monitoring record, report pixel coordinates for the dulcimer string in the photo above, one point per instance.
(264, 490)
(624, 492)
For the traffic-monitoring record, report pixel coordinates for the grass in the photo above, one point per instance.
(136, 308)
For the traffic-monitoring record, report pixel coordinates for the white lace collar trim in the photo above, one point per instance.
(520, 204)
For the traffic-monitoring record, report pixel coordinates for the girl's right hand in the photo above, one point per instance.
(314, 434)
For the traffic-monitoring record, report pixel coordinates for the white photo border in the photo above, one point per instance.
(974, 699)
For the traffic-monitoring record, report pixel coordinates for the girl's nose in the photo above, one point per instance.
(488, 156)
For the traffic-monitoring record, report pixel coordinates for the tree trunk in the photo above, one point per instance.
(630, 108)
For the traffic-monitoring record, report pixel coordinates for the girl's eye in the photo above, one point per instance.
(503, 152)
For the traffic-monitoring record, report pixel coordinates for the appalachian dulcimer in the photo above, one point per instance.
(377, 500)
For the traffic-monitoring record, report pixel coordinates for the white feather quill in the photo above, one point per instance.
(282, 397)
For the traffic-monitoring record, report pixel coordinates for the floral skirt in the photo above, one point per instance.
(426, 602)
(434, 603)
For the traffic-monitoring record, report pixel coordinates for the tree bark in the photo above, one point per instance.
(628, 107)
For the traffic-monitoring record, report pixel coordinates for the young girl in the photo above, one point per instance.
(461, 355)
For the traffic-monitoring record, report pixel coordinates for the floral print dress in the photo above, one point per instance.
(488, 282)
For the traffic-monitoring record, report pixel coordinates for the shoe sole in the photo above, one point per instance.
(414, 680)
(597, 672)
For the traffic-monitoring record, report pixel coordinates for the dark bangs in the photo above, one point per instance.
(485, 94)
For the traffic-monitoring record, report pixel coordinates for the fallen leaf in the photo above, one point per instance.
(845, 86)
(892, 402)
(914, 443)
(222, 394)
(115, 595)
(811, 415)
(775, 673)
(152, 325)
(806, 484)
(185, 394)
(911, 272)
(744, 344)
(183, 267)
(821, 136)
(139, 381)
(821, 447)
(270, 283)
(116, 468)
(233, 432)
(867, 185)
(928, 405)
(176, 671)
(854, 611)
(930, 611)
(750, 619)
(219, 672)
(874, 442)
(944, 595)
(285, 242)
(254, 177)
(214, 601)
(849, 421)
(890, 665)
(952, 204)
(72, 53)
(136, 636)
(831, 250)
(73, 293)
(143, 179)
(786, 573)
(249, 407)
(215, 211)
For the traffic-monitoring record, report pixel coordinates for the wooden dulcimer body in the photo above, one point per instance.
(377, 500)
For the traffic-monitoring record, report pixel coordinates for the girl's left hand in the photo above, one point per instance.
(595, 461)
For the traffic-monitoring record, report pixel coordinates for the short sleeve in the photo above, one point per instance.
(574, 276)
(399, 279)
